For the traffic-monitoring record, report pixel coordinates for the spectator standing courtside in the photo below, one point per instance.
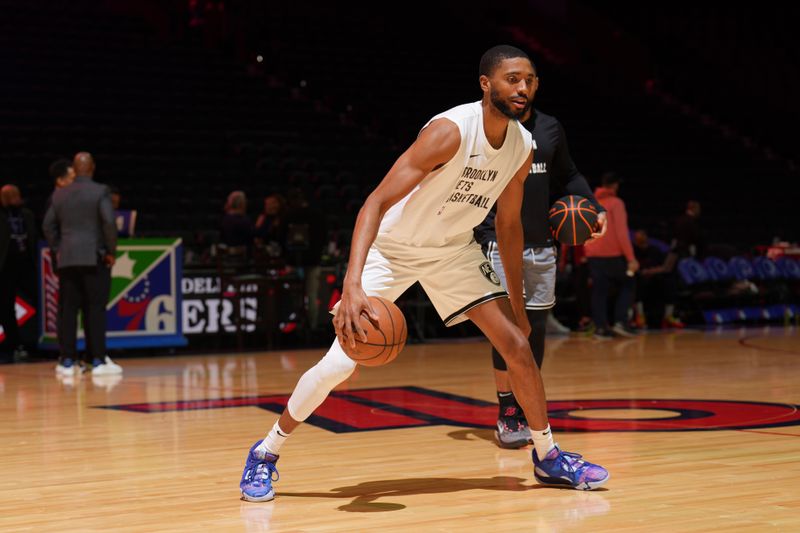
(656, 282)
(79, 226)
(236, 228)
(17, 248)
(62, 174)
(305, 238)
(688, 235)
(611, 261)
(270, 228)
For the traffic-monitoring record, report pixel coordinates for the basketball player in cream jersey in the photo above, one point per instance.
(417, 225)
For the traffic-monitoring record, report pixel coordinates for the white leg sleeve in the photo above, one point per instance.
(315, 385)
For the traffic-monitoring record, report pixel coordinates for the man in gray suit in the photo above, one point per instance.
(79, 226)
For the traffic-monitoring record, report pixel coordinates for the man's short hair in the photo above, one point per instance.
(236, 200)
(494, 55)
(59, 168)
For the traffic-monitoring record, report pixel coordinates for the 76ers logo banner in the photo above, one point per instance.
(144, 303)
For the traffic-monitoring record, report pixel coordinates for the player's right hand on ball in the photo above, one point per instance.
(347, 321)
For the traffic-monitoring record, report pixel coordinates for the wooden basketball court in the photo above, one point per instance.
(699, 431)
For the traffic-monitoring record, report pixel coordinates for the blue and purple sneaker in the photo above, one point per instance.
(566, 469)
(257, 477)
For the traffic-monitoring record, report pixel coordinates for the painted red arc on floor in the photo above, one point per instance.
(399, 407)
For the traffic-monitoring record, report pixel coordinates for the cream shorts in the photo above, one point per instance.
(455, 280)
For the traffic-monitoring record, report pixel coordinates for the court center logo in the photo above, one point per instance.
(489, 273)
(403, 407)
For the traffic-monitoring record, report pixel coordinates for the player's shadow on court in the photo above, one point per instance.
(472, 434)
(365, 494)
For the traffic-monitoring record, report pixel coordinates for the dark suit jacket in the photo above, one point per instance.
(79, 224)
(5, 233)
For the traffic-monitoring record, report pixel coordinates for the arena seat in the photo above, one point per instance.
(717, 269)
(742, 268)
(692, 272)
(766, 269)
(789, 266)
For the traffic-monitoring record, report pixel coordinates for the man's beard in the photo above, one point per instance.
(505, 109)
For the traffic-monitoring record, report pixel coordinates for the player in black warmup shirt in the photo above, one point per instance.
(552, 165)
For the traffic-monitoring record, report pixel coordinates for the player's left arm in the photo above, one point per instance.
(567, 173)
(510, 240)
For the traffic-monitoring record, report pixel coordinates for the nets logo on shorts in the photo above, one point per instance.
(489, 273)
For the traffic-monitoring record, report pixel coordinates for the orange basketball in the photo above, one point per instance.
(572, 219)
(384, 343)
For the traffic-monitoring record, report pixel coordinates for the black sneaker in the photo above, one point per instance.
(20, 354)
(624, 330)
(603, 334)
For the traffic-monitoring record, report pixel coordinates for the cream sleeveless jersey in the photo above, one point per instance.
(443, 209)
